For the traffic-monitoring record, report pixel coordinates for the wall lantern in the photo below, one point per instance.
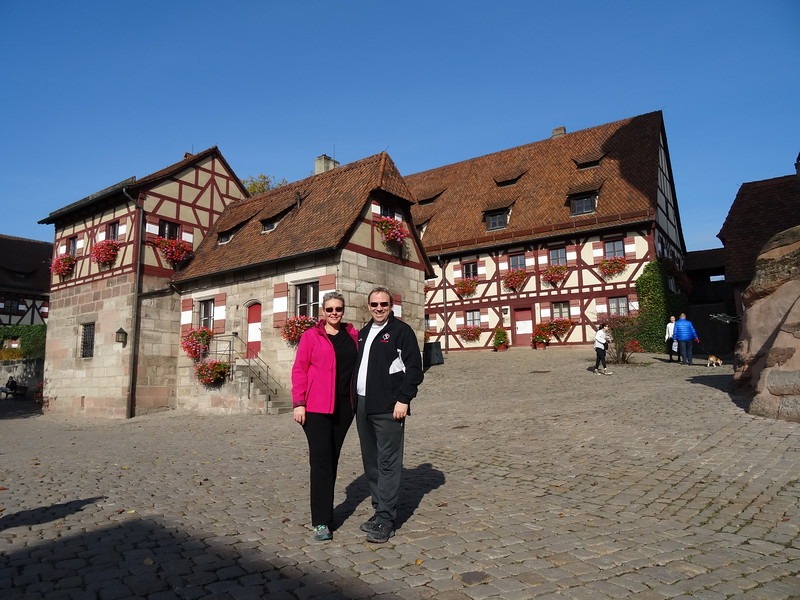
(122, 337)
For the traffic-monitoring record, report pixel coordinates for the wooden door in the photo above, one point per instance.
(523, 327)
(253, 330)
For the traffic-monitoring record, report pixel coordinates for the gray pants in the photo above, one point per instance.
(382, 454)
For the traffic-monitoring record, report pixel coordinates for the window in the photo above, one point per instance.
(560, 310)
(72, 246)
(307, 299)
(558, 256)
(516, 261)
(87, 340)
(618, 306)
(112, 231)
(615, 249)
(473, 318)
(497, 220)
(387, 211)
(268, 225)
(469, 269)
(168, 230)
(207, 314)
(10, 306)
(581, 205)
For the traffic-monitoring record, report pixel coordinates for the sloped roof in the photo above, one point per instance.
(704, 260)
(113, 194)
(314, 215)
(548, 172)
(760, 210)
(25, 266)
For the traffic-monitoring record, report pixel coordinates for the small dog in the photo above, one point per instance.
(714, 361)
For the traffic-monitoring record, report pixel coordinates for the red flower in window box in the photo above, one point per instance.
(176, 252)
(212, 372)
(466, 287)
(610, 267)
(541, 335)
(391, 230)
(195, 342)
(295, 327)
(560, 327)
(554, 274)
(514, 280)
(470, 333)
(63, 266)
(105, 252)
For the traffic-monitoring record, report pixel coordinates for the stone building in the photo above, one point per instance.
(24, 281)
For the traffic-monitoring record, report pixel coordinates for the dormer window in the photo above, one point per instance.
(589, 161)
(496, 219)
(583, 204)
(224, 237)
(268, 225)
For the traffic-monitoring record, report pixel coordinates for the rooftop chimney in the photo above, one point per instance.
(558, 132)
(324, 163)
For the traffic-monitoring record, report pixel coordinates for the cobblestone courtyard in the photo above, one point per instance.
(526, 476)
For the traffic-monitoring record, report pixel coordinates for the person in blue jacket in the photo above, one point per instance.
(685, 334)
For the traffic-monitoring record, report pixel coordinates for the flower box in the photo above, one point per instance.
(514, 280)
(195, 342)
(295, 327)
(392, 230)
(466, 287)
(554, 274)
(560, 327)
(611, 267)
(105, 253)
(470, 333)
(541, 335)
(212, 372)
(176, 252)
(63, 266)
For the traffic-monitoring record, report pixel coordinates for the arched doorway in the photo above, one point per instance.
(253, 330)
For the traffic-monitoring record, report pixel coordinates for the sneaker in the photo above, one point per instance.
(381, 532)
(607, 372)
(597, 372)
(322, 533)
(368, 526)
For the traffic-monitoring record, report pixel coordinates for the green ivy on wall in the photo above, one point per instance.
(31, 338)
(656, 303)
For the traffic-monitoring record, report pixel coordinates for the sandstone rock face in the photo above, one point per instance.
(767, 357)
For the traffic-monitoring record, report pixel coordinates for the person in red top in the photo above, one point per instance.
(322, 397)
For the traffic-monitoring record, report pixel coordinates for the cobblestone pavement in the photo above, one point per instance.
(526, 476)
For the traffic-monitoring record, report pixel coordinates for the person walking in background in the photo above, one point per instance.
(685, 334)
(322, 379)
(601, 339)
(672, 345)
(388, 375)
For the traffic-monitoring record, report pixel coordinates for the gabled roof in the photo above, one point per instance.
(25, 266)
(313, 215)
(705, 260)
(113, 194)
(623, 158)
(760, 210)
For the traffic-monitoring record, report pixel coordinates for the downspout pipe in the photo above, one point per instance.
(133, 367)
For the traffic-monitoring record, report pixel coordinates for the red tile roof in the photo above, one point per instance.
(314, 215)
(548, 171)
(760, 210)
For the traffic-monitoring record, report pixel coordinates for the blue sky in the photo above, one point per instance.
(94, 92)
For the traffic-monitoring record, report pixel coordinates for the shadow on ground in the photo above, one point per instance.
(19, 409)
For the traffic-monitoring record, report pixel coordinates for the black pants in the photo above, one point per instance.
(670, 351)
(382, 454)
(601, 357)
(325, 434)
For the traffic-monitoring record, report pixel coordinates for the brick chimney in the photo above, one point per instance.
(324, 163)
(558, 132)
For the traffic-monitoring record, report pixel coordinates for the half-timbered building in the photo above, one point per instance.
(24, 280)
(564, 215)
(112, 336)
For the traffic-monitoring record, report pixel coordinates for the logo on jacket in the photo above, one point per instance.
(385, 338)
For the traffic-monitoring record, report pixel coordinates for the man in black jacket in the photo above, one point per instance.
(389, 371)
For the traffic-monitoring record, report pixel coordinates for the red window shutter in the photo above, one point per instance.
(219, 309)
(327, 283)
(630, 248)
(280, 304)
(187, 314)
(543, 258)
(598, 250)
(574, 308)
(572, 255)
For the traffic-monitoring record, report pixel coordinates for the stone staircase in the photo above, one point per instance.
(254, 382)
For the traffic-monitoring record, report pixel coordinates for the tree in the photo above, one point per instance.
(261, 183)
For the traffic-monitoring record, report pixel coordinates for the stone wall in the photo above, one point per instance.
(768, 352)
(27, 371)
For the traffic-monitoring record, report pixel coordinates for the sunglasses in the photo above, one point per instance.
(336, 309)
(377, 304)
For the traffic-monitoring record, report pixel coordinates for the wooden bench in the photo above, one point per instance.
(20, 392)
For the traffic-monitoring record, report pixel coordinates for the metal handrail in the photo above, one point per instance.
(255, 366)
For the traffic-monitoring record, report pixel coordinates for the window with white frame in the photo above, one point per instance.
(497, 219)
(516, 261)
(307, 299)
(582, 205)
(472, 318)
(614, 249)
(469, 269)
(558, 256)
(560, 310)
(618, 306)
(207, 313)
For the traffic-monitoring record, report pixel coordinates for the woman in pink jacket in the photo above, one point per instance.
(321, 395)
